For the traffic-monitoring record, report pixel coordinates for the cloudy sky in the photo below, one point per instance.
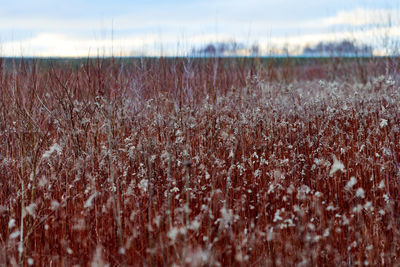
(174, 27)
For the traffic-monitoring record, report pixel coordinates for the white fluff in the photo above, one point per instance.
(89, 201)
(336, 166)
(360, 193)
(350, 183)
(54, 148)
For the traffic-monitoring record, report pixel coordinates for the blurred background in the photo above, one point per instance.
(311, 28)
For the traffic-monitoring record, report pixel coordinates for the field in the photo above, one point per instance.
(199, 162)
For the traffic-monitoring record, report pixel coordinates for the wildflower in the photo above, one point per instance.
(350, 183)
(336, 166)
(386, 198)
(54, 148)
(270, 234)
(89, 201)
(383, 123)
(352, 245)
(143, 185)
(303, 191)
(54, 205)
(14, 234)
(368, 206)
(326, 232)
(174, 190)
(173, 233)
(227, 216)
(31, 209)
(11, 223)
(240, 257)
(330, 207)
(194, 225)
(357, 208)
(121, 251)
(98, 259)
(277, 216)
(360, 193)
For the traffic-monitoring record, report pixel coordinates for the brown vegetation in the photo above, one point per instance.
(199, 162)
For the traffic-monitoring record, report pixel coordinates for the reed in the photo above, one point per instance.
(199, 162)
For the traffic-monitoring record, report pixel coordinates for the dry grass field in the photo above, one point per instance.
(199, 162)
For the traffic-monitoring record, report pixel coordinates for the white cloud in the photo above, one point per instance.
(140, 33)
(50, 44)
(376, 37)
(45, 23)
(66, 45)
(362, 16)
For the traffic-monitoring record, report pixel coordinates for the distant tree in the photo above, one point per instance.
(210, 49)
(219, 49)
(344, 48)
(255, 50)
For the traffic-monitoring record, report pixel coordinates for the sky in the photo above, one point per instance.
(84, 28)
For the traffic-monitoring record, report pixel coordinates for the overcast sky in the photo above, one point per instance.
(155, 27)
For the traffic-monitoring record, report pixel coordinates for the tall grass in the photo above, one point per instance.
(199, 162)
